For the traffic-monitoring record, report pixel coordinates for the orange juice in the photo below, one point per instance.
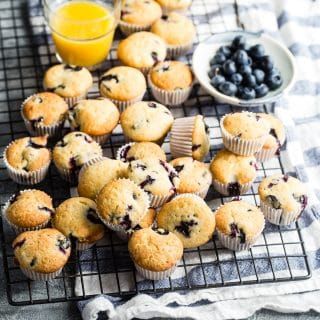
(82, 32)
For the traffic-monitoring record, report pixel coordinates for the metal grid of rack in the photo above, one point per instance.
(279, 255)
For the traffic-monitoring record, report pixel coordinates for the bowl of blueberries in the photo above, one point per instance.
(244, 68)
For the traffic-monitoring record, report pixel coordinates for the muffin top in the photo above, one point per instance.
(240, 219)
(43, 251)
(44, 108)
(246, 125)
(140, 13)
(74, 150)
(229, 168)
(171, 75)
(175, 4)
(29, 208)
(189, 218)
(77, 218)
(277, 134)
(175, 29)
(142, 50)
(194, 176)
(122, 83)
(94, 117)
(146, 121)
(283, 192)
(148, 219)
(155, 249)
(28, 154)
(154, 176)
(93, 177)
(140, 150)
(123, 203)
(67, 81)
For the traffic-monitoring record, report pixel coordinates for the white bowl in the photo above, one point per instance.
(282, 57)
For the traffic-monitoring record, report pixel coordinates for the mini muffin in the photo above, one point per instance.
(27, 159)
(171, 82)
(122, 204)
(76, 218)
(195, 176)
(156, 177)
(69, 82)
(174, 5)
(232, 174)
(239, 224)
(142, 50)
(94, 175)
(177, 31)
(275, 139)
(123, 85)
(244, 133)
(282, 198)
(146, 121)
(28, 210)
(155, 252)
(189, 218)
(190, 138)
(44, 114)
(72, 152)
(96, 117)
(41, 254)
(140, 150)
(137, 15)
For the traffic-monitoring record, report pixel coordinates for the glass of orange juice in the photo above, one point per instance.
(82, 30)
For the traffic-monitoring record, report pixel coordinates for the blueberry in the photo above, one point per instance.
(219, 58)
(229, 67)
(261, 90)
(249, 80)
(239, 42)
(259, 74)
(236, 78)
(257, 51)
(228, 88)
(214, 70)
(245, 69)
(241, 57)
(266, 63)
(246, 93)
(217, 80)
(273, 71)
(274, 81)
(226, 51)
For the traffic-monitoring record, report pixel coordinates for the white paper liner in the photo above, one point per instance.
(266, 154)
(129, 28)
(177, 51)
(171, 98)
(277, 216)
(158, 201)
(154, 275)
(223, 187)
(81, 246)
(243, 147)
(123, 105)
(33, 275)
(118, 157)
(203, 193)
(73, 100)
(101, 139)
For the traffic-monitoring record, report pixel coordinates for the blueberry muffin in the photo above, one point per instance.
(190, 138)
(142, 50)
(156, 177)
(244, 133)
(27, 159)
(239, 224)
(72, 152)
(44, 114)
(69, 82)
(282, 198)
(77, 219)
(275, 139)
(171, 82)
(155, 252)
(122, 204)
(195, 176)
(140, 150)
(95, 117)
(177, 31)
(41, 254)
(189, 218)
(174, 5)
(137, 15)
(232, 174)
(95, 175)
(123, 85)
(28, 210)
(146, 121)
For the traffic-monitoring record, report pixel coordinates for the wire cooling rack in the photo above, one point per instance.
(26, 52)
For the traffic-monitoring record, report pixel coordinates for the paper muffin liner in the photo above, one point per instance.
(278, 216)
(266, 154)
(154, 275)
(81, 246)
(123, 105)
(234, 243)
(159, 142)
(38, 276)
(129, 28)
(181, 137)
(177, 51)
(158, 201)
(243, 147)
(223, 187)
(118, 156)
(101, 139)
(171, 98)
(73, 100)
